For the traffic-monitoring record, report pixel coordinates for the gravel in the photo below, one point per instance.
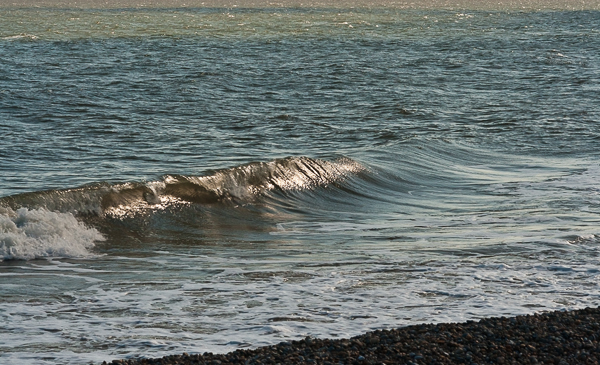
(544, 338)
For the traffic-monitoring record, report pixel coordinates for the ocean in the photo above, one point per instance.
(207, 179)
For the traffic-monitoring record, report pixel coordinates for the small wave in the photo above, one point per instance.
(237, 185)
(29, 234)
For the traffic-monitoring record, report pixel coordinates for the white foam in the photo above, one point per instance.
(253, 303)
(20, 36)
(29, 234)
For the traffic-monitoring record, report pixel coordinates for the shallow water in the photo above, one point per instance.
(191, 180)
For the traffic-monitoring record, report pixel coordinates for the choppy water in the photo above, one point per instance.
(195, 180)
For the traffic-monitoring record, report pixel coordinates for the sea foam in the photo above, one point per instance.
(29, 234)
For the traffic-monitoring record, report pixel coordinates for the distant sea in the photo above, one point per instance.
(193, 180)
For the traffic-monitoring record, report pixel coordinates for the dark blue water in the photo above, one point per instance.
(176, 179)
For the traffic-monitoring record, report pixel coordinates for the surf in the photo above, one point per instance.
(68, 222)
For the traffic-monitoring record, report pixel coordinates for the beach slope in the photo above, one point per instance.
(544, 338)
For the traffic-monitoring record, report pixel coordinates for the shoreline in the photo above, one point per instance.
(559, 337)
(499, 5)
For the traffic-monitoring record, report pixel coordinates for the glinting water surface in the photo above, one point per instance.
(191, 180)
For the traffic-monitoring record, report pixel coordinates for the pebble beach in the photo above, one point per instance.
(544, 338)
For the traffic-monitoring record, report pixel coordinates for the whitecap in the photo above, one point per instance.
(29, 234)
(20, 36)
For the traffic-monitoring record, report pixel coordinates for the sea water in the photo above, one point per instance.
(193, 180)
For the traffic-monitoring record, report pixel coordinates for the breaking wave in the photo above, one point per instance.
(53, 223)
(239, 184)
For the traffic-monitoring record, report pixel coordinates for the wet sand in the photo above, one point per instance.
(548, 338)
(402, 4)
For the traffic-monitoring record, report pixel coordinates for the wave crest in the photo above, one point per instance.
(243, 182)
(240, 184)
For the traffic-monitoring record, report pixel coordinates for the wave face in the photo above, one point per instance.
(238, 185)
